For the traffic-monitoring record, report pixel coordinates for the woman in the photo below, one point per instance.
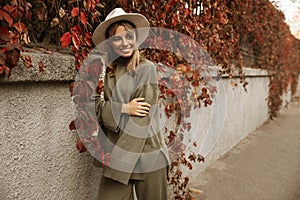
(129, 115)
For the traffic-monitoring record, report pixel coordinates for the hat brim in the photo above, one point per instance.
(140, 22)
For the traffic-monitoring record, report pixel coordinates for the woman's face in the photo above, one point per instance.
(123, 41)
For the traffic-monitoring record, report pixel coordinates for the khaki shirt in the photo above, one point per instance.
(135, 143)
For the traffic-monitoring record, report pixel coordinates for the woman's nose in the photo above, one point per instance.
(124, 42)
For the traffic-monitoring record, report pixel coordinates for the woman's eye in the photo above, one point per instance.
(116, 39)
(129, 36)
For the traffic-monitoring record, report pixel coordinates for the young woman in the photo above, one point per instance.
(128, 115)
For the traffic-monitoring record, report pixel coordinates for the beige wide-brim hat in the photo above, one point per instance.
(118, 14)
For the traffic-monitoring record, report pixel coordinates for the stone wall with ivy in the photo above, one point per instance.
(228, 30)
(39, 159)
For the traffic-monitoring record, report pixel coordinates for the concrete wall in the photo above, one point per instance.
(38, 156)
(243, 113)
(234, 114)
(37, 151)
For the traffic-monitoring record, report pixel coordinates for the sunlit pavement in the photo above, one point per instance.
(263, 166)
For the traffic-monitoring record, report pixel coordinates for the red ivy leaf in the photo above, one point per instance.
(223, 20)
(192, 157)
(168, 8)
(80, 146)
(71, 88)
(156, 3)
(27, 61)
(100, 86)
(4, 15)
(72, 125)
(83, 18)
(28, 12)
(65, 39)
(2, 69)
(93, 69)
(190, 166)
(12, 10)
(4, 34)
(200, 158)
(123, 3)
(169, 93)
(75, 12)
(76, 41)
(183, 68)
(13, 56)
(195, 83)
(85, 89)
(88, 39)
(81, 121)
(7, 71)
(195, 144)
(20, 27)
(76, 29)
(186, 12)
(41, 67)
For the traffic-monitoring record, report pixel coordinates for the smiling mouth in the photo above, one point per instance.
(125, 50)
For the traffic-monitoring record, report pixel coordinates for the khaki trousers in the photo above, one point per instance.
(153, 187)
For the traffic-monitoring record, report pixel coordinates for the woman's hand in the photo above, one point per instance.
(136, 107)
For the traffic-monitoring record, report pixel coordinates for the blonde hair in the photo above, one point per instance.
(134, 61)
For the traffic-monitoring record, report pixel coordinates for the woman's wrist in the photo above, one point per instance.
(125, 108)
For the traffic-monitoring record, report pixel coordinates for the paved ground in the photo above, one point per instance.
(264, 166)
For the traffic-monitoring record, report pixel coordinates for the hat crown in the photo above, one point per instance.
(118, 14)
(114, 13)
